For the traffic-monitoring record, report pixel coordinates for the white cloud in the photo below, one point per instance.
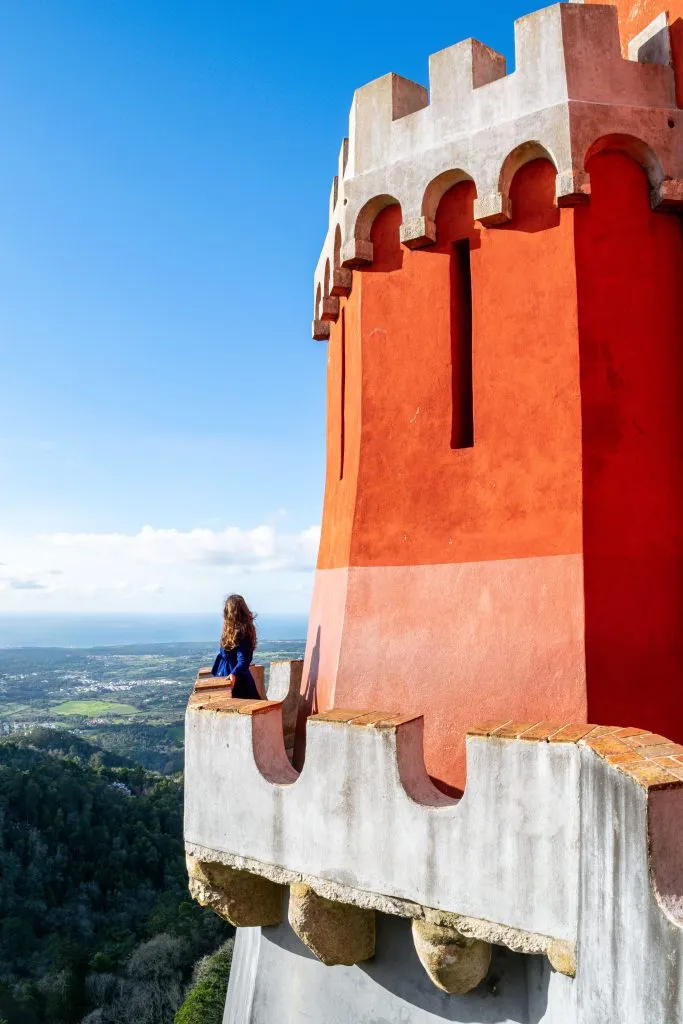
(158, 569)
(18, 584)
(262, 549)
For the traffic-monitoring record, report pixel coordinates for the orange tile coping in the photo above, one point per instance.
(210, 682)
(218, 698)
(224, 703)
(652, 761)
(358, 717)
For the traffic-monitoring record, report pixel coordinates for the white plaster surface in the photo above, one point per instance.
(285, 984)
(571, 87)
(626, 876)
(364, 813)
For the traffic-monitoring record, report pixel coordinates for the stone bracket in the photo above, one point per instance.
(342, 279)
(455, 963)
(668, 198)
(330, 307)
(356, 253)
(243, 899)
(560, 953)
(417, 232)
(493, 209)
(337, 933)
(321, 330)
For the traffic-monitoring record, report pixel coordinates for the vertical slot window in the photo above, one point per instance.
(462, 422)
(342, 396)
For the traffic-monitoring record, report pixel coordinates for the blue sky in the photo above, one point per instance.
(164, 179)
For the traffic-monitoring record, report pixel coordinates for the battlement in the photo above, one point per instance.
(523, 859)
(570, 91)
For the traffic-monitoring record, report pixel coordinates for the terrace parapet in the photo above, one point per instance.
(524, 859)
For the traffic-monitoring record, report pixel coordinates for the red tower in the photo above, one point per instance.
(501, 288)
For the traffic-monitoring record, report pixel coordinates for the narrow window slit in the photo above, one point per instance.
(462, 424)
(342, 396)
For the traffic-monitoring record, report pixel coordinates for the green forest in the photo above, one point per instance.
(96, 923)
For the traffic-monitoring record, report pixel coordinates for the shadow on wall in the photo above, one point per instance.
(532, 196)
(676, 38)
(394, 986)
(629, 273)
(308, 704)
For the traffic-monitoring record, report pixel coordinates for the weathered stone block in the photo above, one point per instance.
(454, 963)
(337, 933)
(243, 899)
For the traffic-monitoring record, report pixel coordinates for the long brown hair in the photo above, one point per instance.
(238, 623)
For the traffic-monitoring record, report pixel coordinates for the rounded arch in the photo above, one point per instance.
(634, 147)
(326, 280)
(521, 155)
(368, 213)
(437, 188)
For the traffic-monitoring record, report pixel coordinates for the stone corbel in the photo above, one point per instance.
(330, 308)
(668, 197)
(455, 964)
(321, 330)
(417, 232)
(239, 897)
(356, 253)
(336, 933)
(573, 188)
(342, 279)
(493, 209)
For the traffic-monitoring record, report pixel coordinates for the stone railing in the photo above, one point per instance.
(567, 838)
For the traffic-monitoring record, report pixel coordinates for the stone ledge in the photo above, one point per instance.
(650, 760)
(560, 953)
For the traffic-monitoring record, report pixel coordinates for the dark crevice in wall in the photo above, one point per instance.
(462, 425)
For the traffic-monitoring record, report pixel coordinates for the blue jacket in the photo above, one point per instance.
(236, 662)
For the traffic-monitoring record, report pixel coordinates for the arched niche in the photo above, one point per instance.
(639, 151)
(437, 189)
(358, 250)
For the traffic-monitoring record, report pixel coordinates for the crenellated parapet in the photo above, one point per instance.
(524, 859)
(570, 95)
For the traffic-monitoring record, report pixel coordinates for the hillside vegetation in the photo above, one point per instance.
(96, 923)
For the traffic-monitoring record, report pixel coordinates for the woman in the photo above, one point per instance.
(238, 641)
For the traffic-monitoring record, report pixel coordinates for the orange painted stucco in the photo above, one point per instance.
(630, 276)
(539, 572)
(516, 492)
(458, 643)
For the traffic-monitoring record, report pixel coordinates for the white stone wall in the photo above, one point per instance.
(573, 849)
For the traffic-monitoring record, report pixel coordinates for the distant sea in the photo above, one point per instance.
(66, 630)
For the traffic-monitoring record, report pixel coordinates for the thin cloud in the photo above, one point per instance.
(262, 549)
(16, 584)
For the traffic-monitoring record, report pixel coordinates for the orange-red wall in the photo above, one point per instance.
(539, 573)
(463, 586)
(630, 287)
(517, 492)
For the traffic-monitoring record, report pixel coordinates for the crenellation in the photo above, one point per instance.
(571, 87)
